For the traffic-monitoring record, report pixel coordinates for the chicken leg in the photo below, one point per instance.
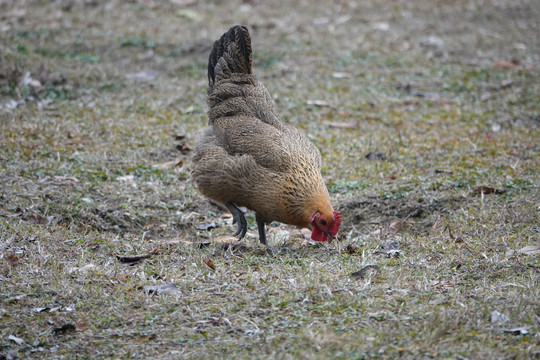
(262, 232)
(239, 218)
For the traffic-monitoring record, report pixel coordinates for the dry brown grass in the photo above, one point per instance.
(94, 98)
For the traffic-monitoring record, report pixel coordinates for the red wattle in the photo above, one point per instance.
(318, 235)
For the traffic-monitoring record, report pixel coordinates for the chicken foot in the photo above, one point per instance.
(239, 218)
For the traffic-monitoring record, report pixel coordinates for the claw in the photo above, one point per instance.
(238, 230)
(239, 218)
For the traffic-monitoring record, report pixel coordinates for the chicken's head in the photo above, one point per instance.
(324, 226)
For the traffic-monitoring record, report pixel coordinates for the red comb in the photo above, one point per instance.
(336, 223)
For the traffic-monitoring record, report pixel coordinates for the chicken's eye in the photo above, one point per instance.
(323, 222)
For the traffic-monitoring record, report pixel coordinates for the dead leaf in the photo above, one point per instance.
(438, 226)
(143, 76)
(479, 190)
(226, 239)
(207, 226)
(239, 246)
(158, 227)
(433, 45)
(457, 239)
(389, 253)
(360, 274)
(38, 310)
(58, 180)
(341, 75)
(503, 64)
(183, 148)
(162, 289)
(375, 155)
(340, 125)
(282, 233)
(210, 264)
(390, 245)
(174, 241)
(11, 355)
(64, 329)
(16, 340)
(227, 215)
(130, 259)
(147, 55)
(485, 96)
(179, 137)
(12, 104)
(253, 332)
(123, 277)
(506, 83)
(424, 94)
(530, 250)
(321, 103)
(498, 318)
(12, 259)
(15, 298)
(396, 226)
(82, 268)
(169, 165)
(382, 26)
(81, 324)
(126, 178)
(409, 102)
(352, 248)
(189, 14)
(517, 331)
(306, 233)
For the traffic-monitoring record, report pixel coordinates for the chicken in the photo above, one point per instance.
(248, 157)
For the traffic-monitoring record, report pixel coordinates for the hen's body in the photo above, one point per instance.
(248, 156)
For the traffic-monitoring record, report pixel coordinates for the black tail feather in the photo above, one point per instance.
(234, 47)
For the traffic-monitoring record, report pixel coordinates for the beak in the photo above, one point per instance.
(329, 237)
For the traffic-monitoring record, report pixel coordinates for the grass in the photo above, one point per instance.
(84, 188)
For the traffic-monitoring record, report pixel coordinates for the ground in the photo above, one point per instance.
(427, 117)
